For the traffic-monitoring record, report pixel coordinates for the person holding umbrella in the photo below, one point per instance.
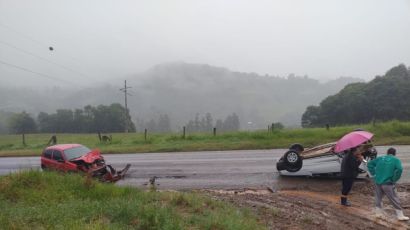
(349, 171)
(352, 159)
(386, 171)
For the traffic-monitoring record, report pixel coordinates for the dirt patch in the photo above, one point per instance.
(317, 206)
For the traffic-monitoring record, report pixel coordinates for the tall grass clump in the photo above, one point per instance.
(50, 200)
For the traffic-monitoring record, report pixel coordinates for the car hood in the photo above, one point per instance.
(90, 157)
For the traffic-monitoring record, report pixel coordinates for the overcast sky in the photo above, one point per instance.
(104, 39)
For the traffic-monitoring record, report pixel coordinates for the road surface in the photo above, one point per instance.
(199, 170)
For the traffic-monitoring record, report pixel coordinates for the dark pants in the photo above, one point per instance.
(347, 184)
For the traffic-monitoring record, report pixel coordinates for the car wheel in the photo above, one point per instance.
(43, 167)
(294, 168)
(293, 161)
(292, 157)
(280, 165)
(297, 147)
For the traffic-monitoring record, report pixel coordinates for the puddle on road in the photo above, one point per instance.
(175, 177)
(241, 191)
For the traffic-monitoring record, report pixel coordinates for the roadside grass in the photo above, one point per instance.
(51, 200)
(393, 132)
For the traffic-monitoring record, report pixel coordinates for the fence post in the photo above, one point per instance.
(183, 132)
(145, 134)
(327, 127)
(214, 131)
(24, 140)
(272, 127)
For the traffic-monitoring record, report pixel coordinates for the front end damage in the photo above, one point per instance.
(94, 165)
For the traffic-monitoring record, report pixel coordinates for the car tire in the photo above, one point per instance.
(292, 157)
(294, 168)
(281, 165)
(43, 167)
(297, 147)
(292, 160)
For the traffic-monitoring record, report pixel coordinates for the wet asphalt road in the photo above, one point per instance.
(199, 170)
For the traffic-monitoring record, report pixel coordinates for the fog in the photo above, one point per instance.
(213, 46)
(114, 39)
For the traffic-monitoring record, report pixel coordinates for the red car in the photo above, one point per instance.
(78, 158)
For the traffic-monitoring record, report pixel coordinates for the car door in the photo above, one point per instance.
(58, 160)
(47, 159)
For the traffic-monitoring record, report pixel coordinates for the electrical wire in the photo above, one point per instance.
(42, 58)
(40, 44)
(34, 72)
(43, 45)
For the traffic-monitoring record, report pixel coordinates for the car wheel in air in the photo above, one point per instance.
(292, 157)
(294, 168)
(293, 161)
(297, 147)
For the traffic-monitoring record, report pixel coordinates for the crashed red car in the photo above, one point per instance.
(78, 158)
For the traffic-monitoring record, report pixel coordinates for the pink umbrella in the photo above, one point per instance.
(352, 140)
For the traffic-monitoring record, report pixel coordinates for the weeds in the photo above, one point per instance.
(50, 200)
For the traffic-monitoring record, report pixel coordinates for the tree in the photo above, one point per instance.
(310, 117)
(22, 123)
(384, 98)
(92, 119)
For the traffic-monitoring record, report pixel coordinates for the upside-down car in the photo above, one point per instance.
(320, 160)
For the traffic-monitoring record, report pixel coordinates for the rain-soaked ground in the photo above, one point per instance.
(249, 179)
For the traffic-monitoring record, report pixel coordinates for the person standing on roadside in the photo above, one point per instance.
(349, 171)
(386, 171)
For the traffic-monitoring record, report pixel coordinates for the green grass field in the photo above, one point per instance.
(50, 200)
(393, 132)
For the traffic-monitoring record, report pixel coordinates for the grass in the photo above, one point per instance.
(393, 132)
(50, 200)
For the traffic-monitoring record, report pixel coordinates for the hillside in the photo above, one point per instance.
(183, 90)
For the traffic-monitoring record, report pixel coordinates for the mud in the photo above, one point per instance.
(315, 206)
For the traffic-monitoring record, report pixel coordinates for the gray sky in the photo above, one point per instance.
(105, 39)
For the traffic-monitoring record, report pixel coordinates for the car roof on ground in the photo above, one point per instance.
(63, 147)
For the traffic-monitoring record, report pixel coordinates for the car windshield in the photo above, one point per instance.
(76, 152)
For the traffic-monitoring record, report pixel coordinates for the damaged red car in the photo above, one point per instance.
(78, 158)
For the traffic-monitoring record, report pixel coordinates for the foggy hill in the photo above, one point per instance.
(183, 90)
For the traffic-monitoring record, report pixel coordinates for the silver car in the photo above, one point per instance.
(318, 161)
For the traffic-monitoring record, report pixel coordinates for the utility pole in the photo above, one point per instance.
(127, 117)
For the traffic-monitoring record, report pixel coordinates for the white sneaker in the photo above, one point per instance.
(400, 215)
(379, 212)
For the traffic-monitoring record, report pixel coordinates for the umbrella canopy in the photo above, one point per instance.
(352, 140)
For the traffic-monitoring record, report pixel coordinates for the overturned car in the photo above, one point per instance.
(320, 160)
(78, 158)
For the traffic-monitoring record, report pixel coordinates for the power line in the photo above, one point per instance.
(34, 72)
(38, 42)
(42, 58)
(25, 36)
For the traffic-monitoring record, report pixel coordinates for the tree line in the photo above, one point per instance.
(90, 119)
(201, 123)
(384, 98)
(206, 124)
(110, 118)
